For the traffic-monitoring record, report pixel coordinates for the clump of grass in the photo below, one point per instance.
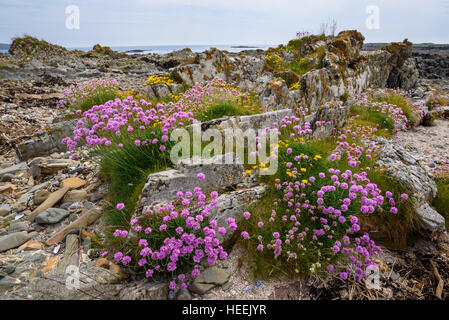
(85, 95)
(262, 263)
(405, 104)
(126, 170)
(401, 228)
(309, 62)
(437, 100)
(222, 109)
(441, 202)
(373, 118)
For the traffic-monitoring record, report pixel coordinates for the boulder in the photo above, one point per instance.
(400, 165)
(232, 205)
(223, 171)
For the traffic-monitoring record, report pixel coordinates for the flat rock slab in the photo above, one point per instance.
(14, 240)
(210, 278)
(13, 169)
(52, 216)
(73, 183)
(71, 256)
(46, 141)
(221, 172)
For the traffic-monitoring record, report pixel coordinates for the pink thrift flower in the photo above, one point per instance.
(201, 176)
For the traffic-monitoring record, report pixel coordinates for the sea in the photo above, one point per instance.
(170, 48)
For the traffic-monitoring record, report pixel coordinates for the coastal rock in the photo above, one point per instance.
(431, 220)
(52, 216)
(403, 167)
(14, 240)
(145, 291)
(46, 141)
(232, 205)
(210, 278)
(223, 171)
(22, 166)
(40, 196)
(276, 96)
(161, 91)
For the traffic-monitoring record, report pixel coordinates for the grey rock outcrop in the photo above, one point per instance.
(403, 167)
(46, 141)
(223, 171)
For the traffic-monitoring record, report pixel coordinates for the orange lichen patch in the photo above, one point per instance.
(52, 263)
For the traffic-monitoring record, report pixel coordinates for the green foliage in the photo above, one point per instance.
(262, 263)
(373, 118)
(441, 202)
(311, 61)
(400, 228)
(222, 109)
(405, 104)
(127, 169)
(99, 97)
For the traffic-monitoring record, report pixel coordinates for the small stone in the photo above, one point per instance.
(210, 278)
(10, 268)
(395, 276)
(5, 210)
(8, 282)
(7, 177)
(17, 226)
(75, 195)
(40, 196)
(184, 295)
(14, 240)
(54, 198)
(51, 216)
(117, 271)
(13, 169)
(30, 245)
(73, 183)
(6, 188)
(102, 262)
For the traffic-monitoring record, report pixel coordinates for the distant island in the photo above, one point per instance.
(4, 46)
(244, 47)
(427, 46)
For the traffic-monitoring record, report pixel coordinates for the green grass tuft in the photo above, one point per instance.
(441, 202)
(220, 110)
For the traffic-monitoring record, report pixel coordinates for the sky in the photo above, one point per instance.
(214, 22)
